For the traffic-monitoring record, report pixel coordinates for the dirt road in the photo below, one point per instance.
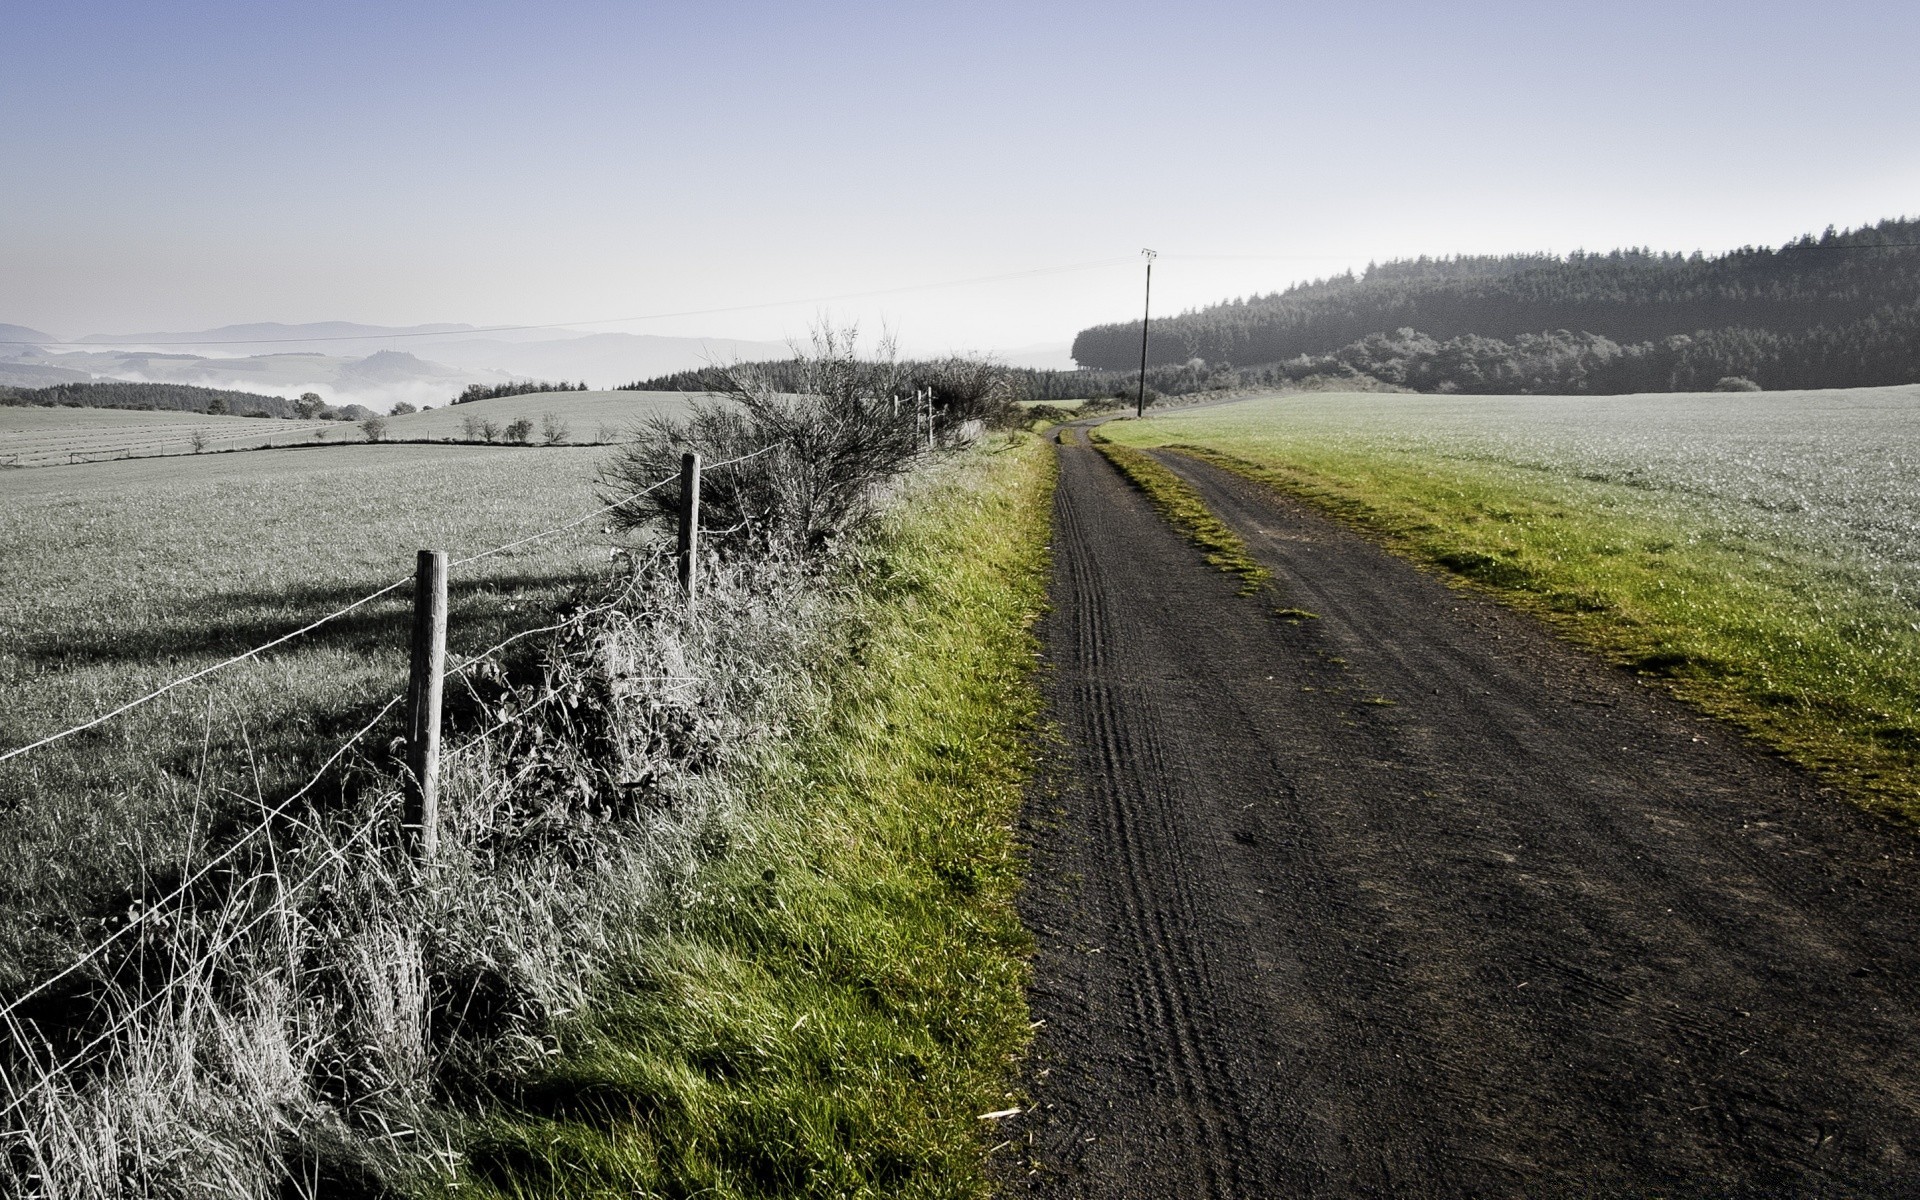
(1412, 900)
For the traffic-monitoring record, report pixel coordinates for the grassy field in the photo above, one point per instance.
(35, 437)
(122, 576)
(842, 1003)
(1754, 553)
(38, 437)
(590, 416)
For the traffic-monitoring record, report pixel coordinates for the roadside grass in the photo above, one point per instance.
(1783, 638)
(842, 997)
(1181, 505)
(122, 576)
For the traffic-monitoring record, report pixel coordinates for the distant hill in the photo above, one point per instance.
(1836, 310)
(376, 365)
(263, 336)
(14, 335)
(159, 397)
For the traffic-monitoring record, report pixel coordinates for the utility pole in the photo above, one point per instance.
(1146, 314)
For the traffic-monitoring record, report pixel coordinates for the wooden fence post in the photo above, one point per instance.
(688, 552)
(420, 817)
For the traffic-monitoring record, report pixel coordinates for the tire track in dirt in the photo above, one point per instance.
(1411, 899)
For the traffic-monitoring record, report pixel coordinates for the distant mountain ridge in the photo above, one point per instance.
(349, 362)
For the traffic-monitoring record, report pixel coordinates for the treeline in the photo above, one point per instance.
(1022, 383)
(1882, 349)
(525, 387)
(1843, 298)
(157, 397)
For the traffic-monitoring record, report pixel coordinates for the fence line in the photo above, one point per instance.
(126, 1019)
(10, 1009)
(362, 601)
(202, 872)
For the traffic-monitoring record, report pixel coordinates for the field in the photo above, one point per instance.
(122, 576)
(591, 416)
(895, 966)
(37, 437)
(1754, 552)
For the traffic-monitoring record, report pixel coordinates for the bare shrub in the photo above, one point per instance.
(490, 431)
(814, 463)
(554, 429)
(969, 394)
(470, 428)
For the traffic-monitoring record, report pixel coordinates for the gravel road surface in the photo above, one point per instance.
(1410, 899)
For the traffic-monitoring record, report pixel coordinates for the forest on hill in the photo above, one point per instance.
(180, 397)
(1841, 309)
(159, 397)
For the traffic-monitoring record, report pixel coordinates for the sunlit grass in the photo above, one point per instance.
(1180, 504)
(839, 1004)
(1796, 629)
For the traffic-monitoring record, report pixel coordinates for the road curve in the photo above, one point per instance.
(1410, 899)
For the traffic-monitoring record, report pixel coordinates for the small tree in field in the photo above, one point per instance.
(198, 439)
(375, 428)
(309, 407)
(490, 430)
(470, 426)
(520, 430)
(554, 429)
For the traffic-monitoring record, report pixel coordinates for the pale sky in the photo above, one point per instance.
(182, 165)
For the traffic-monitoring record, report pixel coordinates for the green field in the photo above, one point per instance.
(121, 576)
(1754, 553)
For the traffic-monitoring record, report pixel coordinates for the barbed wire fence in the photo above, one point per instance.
(55, 1067)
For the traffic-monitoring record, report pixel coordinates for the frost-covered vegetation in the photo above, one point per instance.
(218, 981)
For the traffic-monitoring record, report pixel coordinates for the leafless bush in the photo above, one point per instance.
(554, 429)
(969, 394)
(812, 464)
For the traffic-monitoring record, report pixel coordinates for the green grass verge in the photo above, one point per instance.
(846, 996)
(1747, 628)
(1183, 506)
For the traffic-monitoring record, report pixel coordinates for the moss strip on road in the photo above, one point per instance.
(1183, 506)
